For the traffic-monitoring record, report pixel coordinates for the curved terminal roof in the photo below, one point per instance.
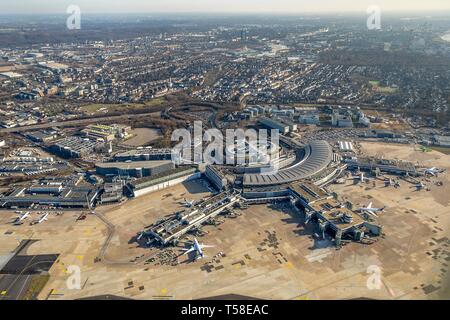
(318, 155)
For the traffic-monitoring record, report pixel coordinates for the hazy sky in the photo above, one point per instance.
(276, 6)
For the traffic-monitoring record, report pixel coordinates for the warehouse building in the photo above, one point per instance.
(112, 192)
(144, 154)
(162, 181)
(57, 196)
(137, 169)
(345, 146)
(284, 128)
(442, 141)
(217, 179)
(74, 147)
(106, 132)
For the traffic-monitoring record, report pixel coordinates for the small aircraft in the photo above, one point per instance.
(139, 237)
(369, 208)
(188, 203)
(432, 171)
(198, 248)
(361, 177)
(420, 186)
(19, 219)
(41, 219)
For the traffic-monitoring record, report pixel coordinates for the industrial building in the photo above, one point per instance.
(217, 179)
(345, 146)
(42, 136)
(137, 169)
(55, 195)
(106, 133)
(162, 181)
(144, 154)
(342, 121)
(112, 192)
(74, 147)
(382, 134)
(441, 141)
(284, 128)
(313, 119)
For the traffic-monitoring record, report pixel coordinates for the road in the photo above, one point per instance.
(111, 232)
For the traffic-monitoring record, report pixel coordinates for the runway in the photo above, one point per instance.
(18, 272)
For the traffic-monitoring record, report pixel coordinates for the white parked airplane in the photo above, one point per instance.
(21, 218)
(188, 203)
(360, 177)
(420, 186)
(41, 219)
(139, 237)
(432, 171)
(198, 248)
(369, 208)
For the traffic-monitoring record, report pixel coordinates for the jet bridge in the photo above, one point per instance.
(182, 222)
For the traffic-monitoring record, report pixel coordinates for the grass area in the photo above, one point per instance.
(36, 285)
(386, 90)
(441, 150)
(156, 102)
(107, 108)
(211, 77)
(425, 149)
(302, 105)
(93, 108)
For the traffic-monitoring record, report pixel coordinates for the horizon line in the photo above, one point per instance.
(290, 13)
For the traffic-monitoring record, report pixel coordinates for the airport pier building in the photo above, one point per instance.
(170, 230)
(382, 165)
(332, 216)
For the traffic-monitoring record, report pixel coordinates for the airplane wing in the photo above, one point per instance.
(189, 250)
(369, 206)
(206, 246)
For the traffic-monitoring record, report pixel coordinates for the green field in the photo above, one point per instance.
(96, 107)
(108, 108)
(36, 285)
(386, 90)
